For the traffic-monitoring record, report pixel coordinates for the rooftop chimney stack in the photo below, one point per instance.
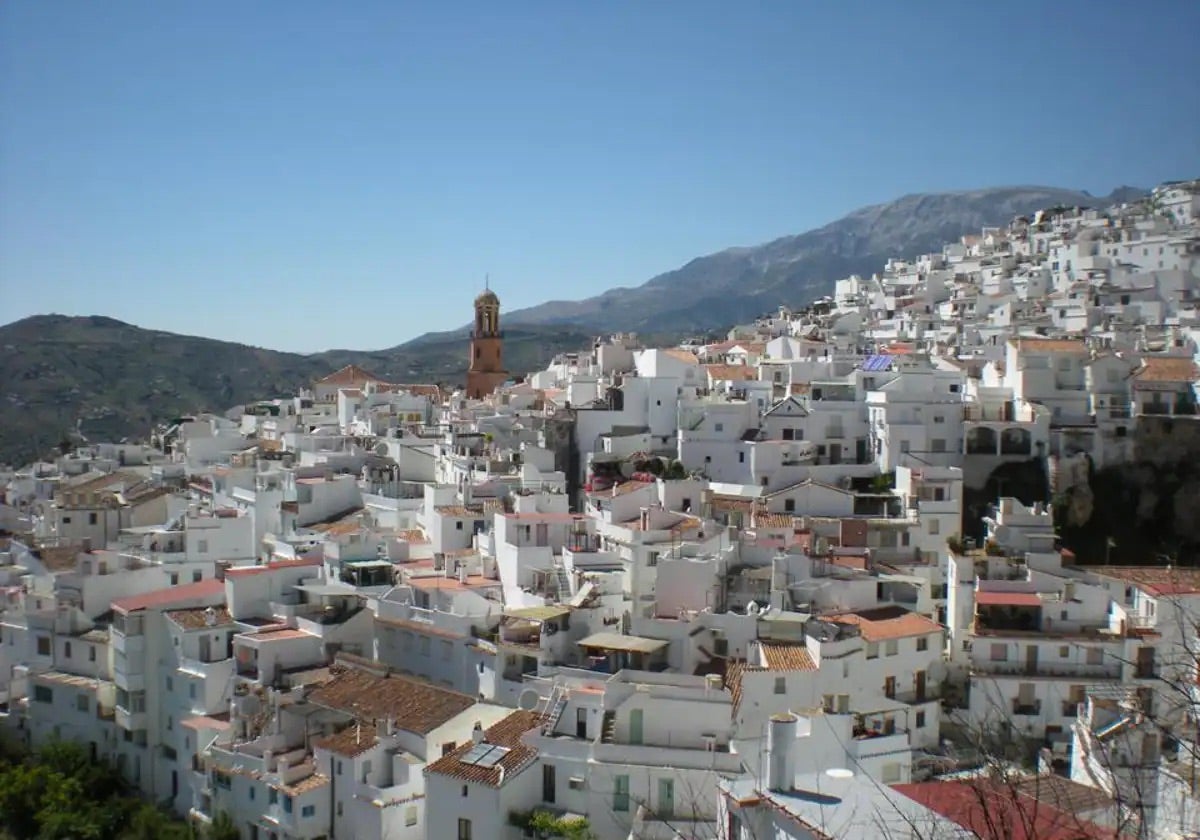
(781, 751)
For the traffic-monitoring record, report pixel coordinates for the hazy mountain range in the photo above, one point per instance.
(110, 380)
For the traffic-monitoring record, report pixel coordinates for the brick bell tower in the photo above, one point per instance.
(486, 369)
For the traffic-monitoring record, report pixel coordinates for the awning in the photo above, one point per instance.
(547, 613)
(617, 641)
(1008, 599)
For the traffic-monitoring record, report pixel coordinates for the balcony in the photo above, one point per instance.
(654, 756)
(1066, 670)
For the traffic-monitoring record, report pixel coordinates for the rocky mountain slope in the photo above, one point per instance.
(738, 284)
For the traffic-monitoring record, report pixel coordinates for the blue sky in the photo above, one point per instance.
(306, 175)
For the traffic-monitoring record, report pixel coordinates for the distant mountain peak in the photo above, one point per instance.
(741, 282)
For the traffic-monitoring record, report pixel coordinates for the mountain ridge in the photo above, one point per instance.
(111, 379)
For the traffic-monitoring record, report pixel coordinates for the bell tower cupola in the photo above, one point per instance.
(486, 367)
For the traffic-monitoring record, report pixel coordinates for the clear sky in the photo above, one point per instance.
(305, 175)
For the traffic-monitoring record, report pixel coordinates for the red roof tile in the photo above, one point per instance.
(413, 705)
(1007, 599)
(211, 590)
(507, 733)
(883, 623)
(992, 811)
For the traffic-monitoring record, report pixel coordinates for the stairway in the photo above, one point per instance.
(554, 708)
(562, 584)
(608, 727)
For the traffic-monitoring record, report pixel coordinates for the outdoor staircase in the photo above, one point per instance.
(562, 584)
(555, 705)
(608, 727)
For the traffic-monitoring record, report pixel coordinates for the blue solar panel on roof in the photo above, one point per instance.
(876, 363)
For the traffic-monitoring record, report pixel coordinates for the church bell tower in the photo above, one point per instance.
(486, 369)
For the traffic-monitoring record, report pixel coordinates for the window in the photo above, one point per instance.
(202, 546)
(308, 811)
(174, 579)
(66, 520)
(892, 647)
(741, 457)
(872, 650)
(43, 645)
(789, 505)
(464, 829)
(82, 703)
(465, 790)
(170, 684)
(920, 720)
(252, 794)
(339, 767)
(781, 685)
(935, 527)
(652, 558)
(458, 525)
(549, 784)
(66, 650)
(92, 519)
(410, 815)
(192, 690)
(197, 576)
(91, 654)
(922, 643)
(287, 804)
(718, 427)
(1064, 651)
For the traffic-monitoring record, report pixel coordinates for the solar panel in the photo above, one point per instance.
(475, 753)
(484, 755)
(492, 756)
(876, 363)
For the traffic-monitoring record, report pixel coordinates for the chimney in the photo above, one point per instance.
(781, 751)
(462, 572)
(645, 519)
(477, 733)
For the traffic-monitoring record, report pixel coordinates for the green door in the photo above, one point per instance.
(635, 726)
(666, 798)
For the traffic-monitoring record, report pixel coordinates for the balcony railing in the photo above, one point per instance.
(1032, 708)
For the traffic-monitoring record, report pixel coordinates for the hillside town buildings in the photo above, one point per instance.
(768, 585)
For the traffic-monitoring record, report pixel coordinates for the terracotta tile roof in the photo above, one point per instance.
(733, 373)
(786, 657)
(349, 375)
(1049, 345)
(422, 627)
(460, 511)
(680, 355)
(277, 635)
(763, 519)
(413, 535)
(413, 705)
(196, 618)
(247, 571)
(733, 681)
(450, 584)
(211, 590)
(313, 782)
(800, 388)
(993, 811)
(1156, 580)
(1166, 369)
(350, 741)
(883, 623)
(505, 733)
(59, 558)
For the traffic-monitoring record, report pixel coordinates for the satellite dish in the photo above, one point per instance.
(528, 700)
